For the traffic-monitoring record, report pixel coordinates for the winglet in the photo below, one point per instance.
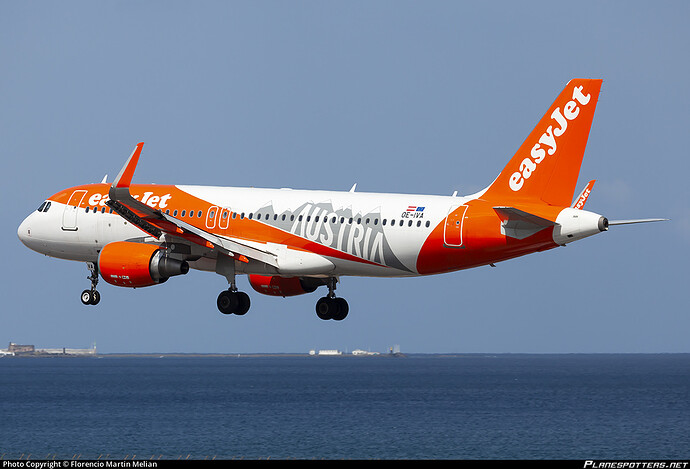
(582, 198)
(124, 179)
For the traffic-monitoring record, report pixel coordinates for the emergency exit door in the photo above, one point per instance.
(452, 233)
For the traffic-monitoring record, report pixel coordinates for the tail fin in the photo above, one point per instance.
(545, 168)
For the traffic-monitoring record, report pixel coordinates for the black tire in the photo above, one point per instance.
(342, 310)
(86, 297)
(95, 297)
(227, 302)
(243, 303)
(327, 308)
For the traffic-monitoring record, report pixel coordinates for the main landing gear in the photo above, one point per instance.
(330, 307)
(91, 297)
(232, 301)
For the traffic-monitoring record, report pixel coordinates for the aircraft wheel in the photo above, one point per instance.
(90, 297)
(342, 309)
(243, 303)
(330, 308)
(86, 297)
(227, 302)
(95, 297)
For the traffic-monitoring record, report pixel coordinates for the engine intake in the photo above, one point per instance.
(127, 264)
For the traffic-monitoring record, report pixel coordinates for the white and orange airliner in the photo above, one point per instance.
(290, 242)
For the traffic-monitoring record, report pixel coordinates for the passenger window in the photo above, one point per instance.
(401, 222)
(409, 223)
(384, 222)
(199, 213)
(251, 215)
(174, 213)
(427, 223)
(184, 212)
(87, 209)
(419, 223)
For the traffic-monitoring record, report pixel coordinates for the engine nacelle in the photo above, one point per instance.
(284, 286)
(126, 264)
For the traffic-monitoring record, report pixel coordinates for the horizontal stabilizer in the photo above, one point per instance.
(519, 224)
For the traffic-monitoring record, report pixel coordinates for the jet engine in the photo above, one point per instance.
(127, 264)
(284, 286)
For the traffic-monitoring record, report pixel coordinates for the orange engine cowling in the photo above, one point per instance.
(284, 286)
(127, 264)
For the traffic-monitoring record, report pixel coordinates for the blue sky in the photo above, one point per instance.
(396, 96)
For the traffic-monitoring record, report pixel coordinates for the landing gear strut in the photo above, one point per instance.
(330, 307)
(230, 301)
(91, 297)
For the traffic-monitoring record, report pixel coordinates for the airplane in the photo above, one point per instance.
(291, 242)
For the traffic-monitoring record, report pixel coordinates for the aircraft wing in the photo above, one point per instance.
(156, 223)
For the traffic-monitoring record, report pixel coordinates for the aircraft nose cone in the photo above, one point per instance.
(24, 231)
(26, 235)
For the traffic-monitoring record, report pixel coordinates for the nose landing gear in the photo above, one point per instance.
(91, 297)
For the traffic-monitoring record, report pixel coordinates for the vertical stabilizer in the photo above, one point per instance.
(546, 166)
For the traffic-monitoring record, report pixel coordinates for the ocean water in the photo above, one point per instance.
(413, 407)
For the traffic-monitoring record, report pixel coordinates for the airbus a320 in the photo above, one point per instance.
(291, 242)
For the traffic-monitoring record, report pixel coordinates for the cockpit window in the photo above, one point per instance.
(44, 207)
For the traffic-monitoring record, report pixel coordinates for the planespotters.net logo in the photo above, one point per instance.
(635, 464)
(547, 141)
